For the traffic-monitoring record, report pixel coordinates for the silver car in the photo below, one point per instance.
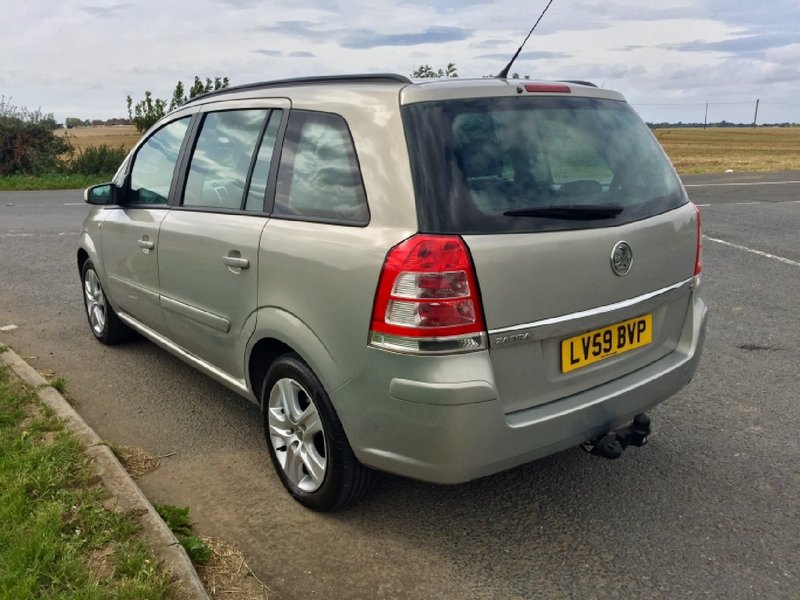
(440, 280)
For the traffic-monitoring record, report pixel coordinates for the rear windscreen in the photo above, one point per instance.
(522, 164)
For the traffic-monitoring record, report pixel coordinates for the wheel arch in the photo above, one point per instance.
(279, 332)
(87, 250)
(83, 256)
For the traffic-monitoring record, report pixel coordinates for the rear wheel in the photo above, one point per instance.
(306, 440)
(103, 321)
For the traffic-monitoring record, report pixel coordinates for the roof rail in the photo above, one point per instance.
(579, 82)
(297, 81)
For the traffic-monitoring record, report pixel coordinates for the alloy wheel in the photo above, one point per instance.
(297, 435)
(95, 302)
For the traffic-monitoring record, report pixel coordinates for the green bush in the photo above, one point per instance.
(27, 143)
(97, 160)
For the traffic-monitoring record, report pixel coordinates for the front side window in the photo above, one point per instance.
(154, 164)
(319, 177)
(524, 164)
(221, 158)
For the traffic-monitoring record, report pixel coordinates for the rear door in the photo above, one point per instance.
(582, 237)
(130, 233)
(208, 259)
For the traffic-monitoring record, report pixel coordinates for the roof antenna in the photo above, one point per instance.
(504, 73)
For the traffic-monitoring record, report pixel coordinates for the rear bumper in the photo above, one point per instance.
(442, 420)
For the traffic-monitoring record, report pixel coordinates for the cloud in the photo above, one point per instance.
(279, 54)
(106, 12)
(303, 29)
(532, 55)
(629, 48)
(490, 44)
(617, 11)
(445, 5)
(362, 39)
(240, 3)
(747, 45)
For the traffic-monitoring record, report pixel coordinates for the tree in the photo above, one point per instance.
(202, 88)
(147, 111)
(427, 72)
(178, 97)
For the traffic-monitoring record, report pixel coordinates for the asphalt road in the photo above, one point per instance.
(711, 508)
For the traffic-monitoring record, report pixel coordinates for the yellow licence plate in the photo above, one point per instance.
(592, 346)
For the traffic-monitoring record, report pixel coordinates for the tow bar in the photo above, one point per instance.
(613, 444)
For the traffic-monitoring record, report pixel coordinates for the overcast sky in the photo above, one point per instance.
(81, 58)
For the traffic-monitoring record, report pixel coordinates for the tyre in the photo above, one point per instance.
(306, 441)
(103, 321)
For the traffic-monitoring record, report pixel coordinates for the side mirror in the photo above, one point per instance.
(105, 193)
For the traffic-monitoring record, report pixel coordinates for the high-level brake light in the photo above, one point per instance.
(550, 88)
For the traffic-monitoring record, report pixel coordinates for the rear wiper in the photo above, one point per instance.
(574, 212)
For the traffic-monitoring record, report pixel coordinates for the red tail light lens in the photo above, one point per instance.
(428, 289)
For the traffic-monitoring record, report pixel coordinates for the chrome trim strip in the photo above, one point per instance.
(196, 314)
(237, 385)
(399, 343)
(593, 312)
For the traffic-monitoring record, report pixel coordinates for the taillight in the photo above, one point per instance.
(427, 298)
(698, 265)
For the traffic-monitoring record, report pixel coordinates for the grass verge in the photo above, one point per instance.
(177, 519)
(57, 539)
(53, 181)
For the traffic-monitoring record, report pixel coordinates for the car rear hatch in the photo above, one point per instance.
(582, 237)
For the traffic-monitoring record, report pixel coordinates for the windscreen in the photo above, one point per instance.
(524, 164)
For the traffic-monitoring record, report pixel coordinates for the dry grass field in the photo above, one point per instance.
(714, 150)
(711, 150)
(112, 135)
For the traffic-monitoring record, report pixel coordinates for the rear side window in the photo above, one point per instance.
(221, 159)
(523, 164)
(319, 178)
(258, 182)
(154, 164)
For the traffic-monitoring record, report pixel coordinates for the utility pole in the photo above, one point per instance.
(705, 119)
(755, 116)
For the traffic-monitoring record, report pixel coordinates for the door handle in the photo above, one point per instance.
(145, 244)
(236, 262)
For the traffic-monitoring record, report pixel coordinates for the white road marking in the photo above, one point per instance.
(74, 203)
(787, 261)
(8, 327)
(18, 234)
(745, 203)
(742, 183)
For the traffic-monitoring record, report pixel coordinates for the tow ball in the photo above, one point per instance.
(613, 444)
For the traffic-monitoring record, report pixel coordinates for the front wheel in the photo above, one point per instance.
(306, 441)
(103, 321)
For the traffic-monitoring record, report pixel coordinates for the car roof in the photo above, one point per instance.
(411, 91)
